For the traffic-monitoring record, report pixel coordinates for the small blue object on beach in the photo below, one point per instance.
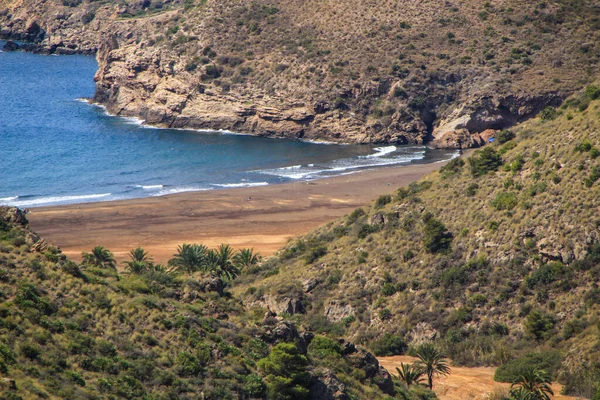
(490, 140)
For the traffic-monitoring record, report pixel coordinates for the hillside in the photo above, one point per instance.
(493, 257)
(351, 71)
(87, 332)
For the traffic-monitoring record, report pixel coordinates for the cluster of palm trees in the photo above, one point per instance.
(533, 384)
(223, 263)
(431, 362)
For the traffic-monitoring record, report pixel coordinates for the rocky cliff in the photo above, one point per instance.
(350, 71)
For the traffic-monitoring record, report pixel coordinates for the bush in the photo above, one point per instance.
(539, 324)
(389, 345)
(453, 167)
(545, 275)
(592, 92)
(383, 200)
(322, 347)
(505, 136)
(484, 161)
(548, 361)
(285, 370)
(548, 114)
(505, 201)
(437, 239)
(593, 177)
(472, 189)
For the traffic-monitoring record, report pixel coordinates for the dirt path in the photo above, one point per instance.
(463, 383)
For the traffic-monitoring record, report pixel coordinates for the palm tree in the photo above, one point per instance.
(520, 394)
(409, 374)
(535, 382)
(99, 257)
(246, 258)
(432, 361)
(139, 263)
(190, 258)
(222, 263)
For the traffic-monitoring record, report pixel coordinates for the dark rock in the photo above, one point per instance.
(321, 107)
(34, 32)
(362, 359)
(378, 219)
(310, 284)
(327, 387)
(10, 46)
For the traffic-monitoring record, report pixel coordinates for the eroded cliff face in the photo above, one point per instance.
(347, 71)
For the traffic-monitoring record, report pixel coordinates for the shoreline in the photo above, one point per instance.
(262, 217)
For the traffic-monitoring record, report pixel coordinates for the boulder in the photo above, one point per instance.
(364, 360)
(327, 386)
(10, 46)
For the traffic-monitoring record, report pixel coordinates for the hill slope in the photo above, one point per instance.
(353, 71)
(492, 257)
(84, 332)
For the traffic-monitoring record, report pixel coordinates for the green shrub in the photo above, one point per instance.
(592, 177)
(285, 372)
(548, 361)
(484, 161)
(355, 215)
(592, 92)
(472, 189)
(322, 347)
(505, 201)
(453, 167)
(539, 324)
(383, 200)
(545, 275)
(389, 345)
(437, 238)
(505, 136)
(548, 114)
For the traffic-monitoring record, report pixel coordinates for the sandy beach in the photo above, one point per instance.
(264, 218)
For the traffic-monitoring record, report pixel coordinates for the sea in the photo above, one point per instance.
(58, 148)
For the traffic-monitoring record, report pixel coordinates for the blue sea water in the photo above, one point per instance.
(56, 148)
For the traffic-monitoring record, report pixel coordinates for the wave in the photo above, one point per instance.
(312, 171)
(382, 151)
(58, 199)
(149, 187)
(240, 185)
(6, 200)
(182, 189)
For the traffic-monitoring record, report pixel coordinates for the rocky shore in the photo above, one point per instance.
(175, 65)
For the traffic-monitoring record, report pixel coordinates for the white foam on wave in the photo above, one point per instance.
(382, 151)
(58, 199)
(182, 189)
(311, 171)
(241, 184)
(7, 200)
(149, 187)
(454, 155)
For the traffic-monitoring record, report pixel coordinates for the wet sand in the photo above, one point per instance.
(264, 218)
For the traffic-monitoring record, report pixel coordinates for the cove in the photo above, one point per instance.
(57, 149)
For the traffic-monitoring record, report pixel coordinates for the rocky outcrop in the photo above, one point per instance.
(337, 310)
(470, 124)
(13, 215)
(174, 67)
(327, 386)
(362, 359)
